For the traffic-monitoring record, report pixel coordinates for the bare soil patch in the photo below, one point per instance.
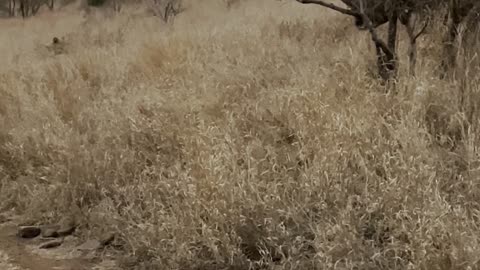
(22, 254)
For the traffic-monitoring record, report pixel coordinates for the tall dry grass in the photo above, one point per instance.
(253, 137)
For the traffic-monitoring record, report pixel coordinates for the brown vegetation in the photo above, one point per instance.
(253, 135)
(372, 14)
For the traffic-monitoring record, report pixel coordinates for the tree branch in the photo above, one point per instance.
(331, 6)
(427, 22)
(378, 42)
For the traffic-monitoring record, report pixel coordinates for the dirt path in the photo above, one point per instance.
(23, 254)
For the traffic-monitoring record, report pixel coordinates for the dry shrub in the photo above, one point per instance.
(165, 9)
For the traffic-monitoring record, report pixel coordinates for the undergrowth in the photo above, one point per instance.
(248, 137)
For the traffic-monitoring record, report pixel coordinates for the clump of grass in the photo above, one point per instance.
(248, 139)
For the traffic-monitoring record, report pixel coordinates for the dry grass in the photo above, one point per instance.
(249, 137)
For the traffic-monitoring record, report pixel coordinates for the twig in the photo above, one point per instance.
(427, 22)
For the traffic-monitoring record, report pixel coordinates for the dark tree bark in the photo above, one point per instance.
(51, 4)
(24, 8)
(386, 52)
(458, 11)
(34, 7)
(11, 8)
(412, 37)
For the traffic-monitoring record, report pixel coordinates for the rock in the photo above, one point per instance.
(90, 245)
(67, 227)
(128, 262)
(107, 239)
(29, 231)
(51, 244)
(66, 231)
(50, 231)
(4, 219)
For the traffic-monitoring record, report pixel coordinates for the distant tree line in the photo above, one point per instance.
(166, 9)
(25, 8)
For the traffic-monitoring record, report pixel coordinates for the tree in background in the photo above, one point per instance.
(166, 9)
(415, 15)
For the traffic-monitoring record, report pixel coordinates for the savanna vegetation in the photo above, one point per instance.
(247, 134)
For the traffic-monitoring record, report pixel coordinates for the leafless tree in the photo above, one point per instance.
(413, 35)
(459, 12)
(166, 9)
(115, 5)
(30, 7)
(413, 12)
(12, 7)
(368, 16)
(415, 15)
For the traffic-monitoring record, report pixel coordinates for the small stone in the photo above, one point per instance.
(5, 219)
(51, 244)
(67, 227)
(50, 231)
(29, 231)
(66, 231)
(107, 239)
(90, 245)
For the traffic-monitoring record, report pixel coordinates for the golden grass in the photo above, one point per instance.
(248, 137)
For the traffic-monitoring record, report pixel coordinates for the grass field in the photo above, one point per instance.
(256, 136)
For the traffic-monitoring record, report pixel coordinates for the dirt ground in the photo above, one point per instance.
(24, 254)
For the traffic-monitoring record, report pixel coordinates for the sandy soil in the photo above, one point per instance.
(20, 254)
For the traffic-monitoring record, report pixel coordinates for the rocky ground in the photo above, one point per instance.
(51, 247)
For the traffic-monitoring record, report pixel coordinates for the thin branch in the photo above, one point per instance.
(427, 22)
(331, 6)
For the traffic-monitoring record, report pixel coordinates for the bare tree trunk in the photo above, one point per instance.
(449, 62)
(117, 6)
(35, 6)
(392, 31)
(172, 9)
(412, 57)
(386, 53)
(169, 10)
(458, 11)
(368, 15)
(386, 56)
(412, 36)
(23, 8)
(11, 8)
(28, 7)
(412, 49)
(391, 60)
